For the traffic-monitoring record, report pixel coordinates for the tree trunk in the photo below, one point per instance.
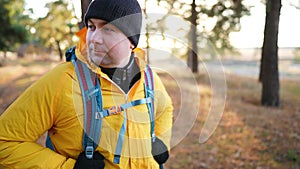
(84, 7)
(192, 52)
(269, 66)
(147, 33)
(59, 50)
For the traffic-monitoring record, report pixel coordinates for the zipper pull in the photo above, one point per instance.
(124, 75)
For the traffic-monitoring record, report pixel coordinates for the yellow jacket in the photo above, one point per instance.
(54, 104)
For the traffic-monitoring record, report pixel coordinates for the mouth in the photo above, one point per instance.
(99, 53)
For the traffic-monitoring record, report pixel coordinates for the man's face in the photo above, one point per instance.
(107, 45)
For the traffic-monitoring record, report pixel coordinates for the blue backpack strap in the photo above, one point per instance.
(92, 103)
(117, 109)
(93, 120)
(48, 143)
(149, 93)
(120, 141)
(149, 100)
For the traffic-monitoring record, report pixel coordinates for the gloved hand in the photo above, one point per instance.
(85, 163)
(160, 151)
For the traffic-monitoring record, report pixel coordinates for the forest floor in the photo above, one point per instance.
(248, 135)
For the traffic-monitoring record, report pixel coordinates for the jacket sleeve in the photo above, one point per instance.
(164, 112)
(27, 119)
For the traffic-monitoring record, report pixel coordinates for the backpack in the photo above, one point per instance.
(92, 102)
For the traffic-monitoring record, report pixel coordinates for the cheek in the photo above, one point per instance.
(121, 49)
(88, 37)
(112, 42)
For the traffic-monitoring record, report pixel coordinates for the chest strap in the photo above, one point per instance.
(118, 109)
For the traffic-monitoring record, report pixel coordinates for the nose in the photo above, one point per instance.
(97, 36)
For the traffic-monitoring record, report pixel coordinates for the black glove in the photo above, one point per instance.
(85, 163)
(160, 151)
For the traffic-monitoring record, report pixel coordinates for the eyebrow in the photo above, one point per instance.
(102, 22)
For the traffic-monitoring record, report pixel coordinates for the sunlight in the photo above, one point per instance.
(250, 35)
(32, 30)
(39, 9)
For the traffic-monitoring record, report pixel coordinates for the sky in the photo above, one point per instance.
(253, 26)
(38, 8)
(251, 33)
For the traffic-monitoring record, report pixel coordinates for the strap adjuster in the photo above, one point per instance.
(153, 137)
(117, 159)
(89, 152)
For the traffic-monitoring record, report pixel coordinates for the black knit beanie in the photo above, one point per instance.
(124, 14)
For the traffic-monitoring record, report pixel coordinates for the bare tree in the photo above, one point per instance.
(147, 33)
(192, 53)
(84, 7)
(269, 75)
(227, 14)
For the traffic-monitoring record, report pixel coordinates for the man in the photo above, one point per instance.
(54, 103)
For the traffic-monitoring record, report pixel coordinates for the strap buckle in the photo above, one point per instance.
(117, 159)
(89, 152)
(153, 137)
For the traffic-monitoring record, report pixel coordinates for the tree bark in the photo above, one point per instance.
(59, 50)
(84, 7)
(269, 66)
(147, 33)
(192, 52)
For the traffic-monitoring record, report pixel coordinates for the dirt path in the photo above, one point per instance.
(289, 69)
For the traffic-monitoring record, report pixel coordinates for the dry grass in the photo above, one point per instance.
(248, 135)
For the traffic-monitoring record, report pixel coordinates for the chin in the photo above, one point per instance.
(98, 61)
(95, 59)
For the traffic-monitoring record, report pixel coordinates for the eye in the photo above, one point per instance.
(108, 29)
(91, 27)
